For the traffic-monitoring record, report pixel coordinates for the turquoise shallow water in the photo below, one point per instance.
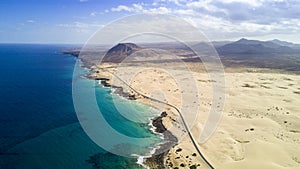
(39, 127)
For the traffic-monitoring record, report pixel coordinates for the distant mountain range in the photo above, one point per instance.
(275, 54)
(245, 46)
(224, 48)
(284, 43)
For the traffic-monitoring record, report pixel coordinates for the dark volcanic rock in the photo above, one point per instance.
(157, 161)
(74, 52)
(119, 52)
(157, 122)
(104, 82)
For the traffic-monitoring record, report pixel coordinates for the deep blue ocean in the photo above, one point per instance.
(38, 124)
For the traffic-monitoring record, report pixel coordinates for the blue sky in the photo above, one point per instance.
(74, 21)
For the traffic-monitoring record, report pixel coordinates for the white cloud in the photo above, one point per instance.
(185, 12)
(253, 3)
(135, 8)
(122, 8)
(30, 21)
(205, 5)
(166, 26)
(178, 2)
(93, 14)
(139, 8)
(159, 10)
(229, 18)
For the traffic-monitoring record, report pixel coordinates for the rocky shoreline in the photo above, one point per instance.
(118, 90)
(156, 161)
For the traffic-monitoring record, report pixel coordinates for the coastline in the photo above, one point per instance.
(260, 116)
(156, 159)
(153, 161)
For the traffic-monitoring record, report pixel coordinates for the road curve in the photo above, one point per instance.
(168, 104)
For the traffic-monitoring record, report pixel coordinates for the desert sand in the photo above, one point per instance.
(260, 125)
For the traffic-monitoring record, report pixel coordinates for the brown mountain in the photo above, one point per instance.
(119, 52)
(254, 47)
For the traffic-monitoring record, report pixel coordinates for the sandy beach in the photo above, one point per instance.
(260, 126)
(150, 84)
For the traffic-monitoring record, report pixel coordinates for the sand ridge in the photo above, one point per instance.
(260, 127)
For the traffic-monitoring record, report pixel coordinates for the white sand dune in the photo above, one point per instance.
(260, 127)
